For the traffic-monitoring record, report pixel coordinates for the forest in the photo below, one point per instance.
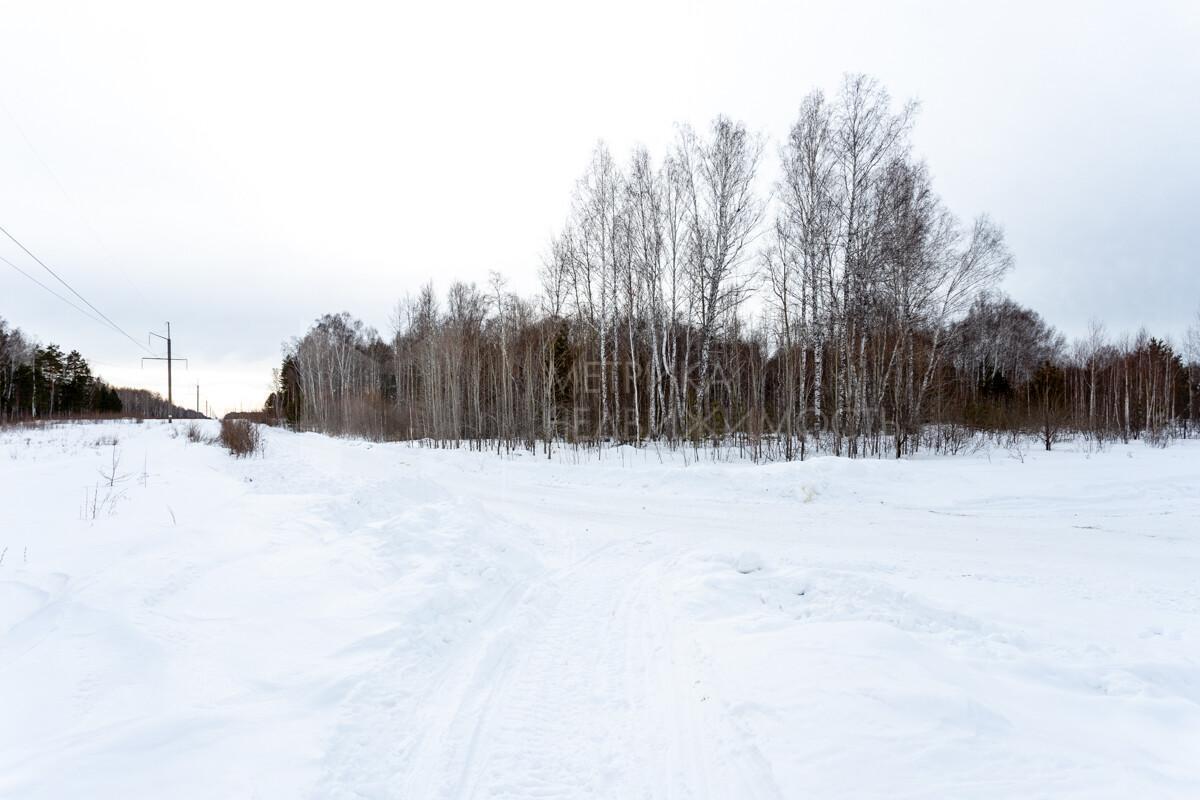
(833, 305)
(39, 382)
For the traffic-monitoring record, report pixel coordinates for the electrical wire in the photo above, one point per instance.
(71, 200)
(51, 291)
(57, 277)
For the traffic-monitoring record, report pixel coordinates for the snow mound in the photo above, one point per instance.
(748, 562)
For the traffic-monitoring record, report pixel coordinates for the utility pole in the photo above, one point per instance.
(197, 398)
(168, 359)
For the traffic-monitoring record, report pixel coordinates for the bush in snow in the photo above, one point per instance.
(241, 437)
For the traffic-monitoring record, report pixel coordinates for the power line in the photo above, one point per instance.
(51, 291)
(71, 200)
(86, 302)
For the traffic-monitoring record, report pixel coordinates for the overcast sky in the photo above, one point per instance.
(240, 168)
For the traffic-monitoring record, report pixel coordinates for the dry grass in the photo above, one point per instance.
(241, 437)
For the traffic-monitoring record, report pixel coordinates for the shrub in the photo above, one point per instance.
(193, 433)
(241, 437)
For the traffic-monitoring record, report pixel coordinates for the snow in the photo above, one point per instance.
(343, 619)
(749, 562)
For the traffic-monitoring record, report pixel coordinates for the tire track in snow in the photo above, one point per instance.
(578, 683)
(580, 697)
(465, 702)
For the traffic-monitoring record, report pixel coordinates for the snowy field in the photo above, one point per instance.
(346, 620)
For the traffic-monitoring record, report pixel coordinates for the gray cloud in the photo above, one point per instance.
(243, 169)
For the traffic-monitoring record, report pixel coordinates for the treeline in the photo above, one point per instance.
(840, 307)
(1014, 372)
(43, 382)
(144, 404)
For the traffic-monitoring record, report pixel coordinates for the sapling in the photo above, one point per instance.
(112, 476)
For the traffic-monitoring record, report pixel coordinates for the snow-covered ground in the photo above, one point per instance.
(347, 620)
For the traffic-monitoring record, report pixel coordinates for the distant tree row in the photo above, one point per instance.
(145, 404)
(42, 382)
(840, 307)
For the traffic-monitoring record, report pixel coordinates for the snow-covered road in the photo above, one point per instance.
(346, 620)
